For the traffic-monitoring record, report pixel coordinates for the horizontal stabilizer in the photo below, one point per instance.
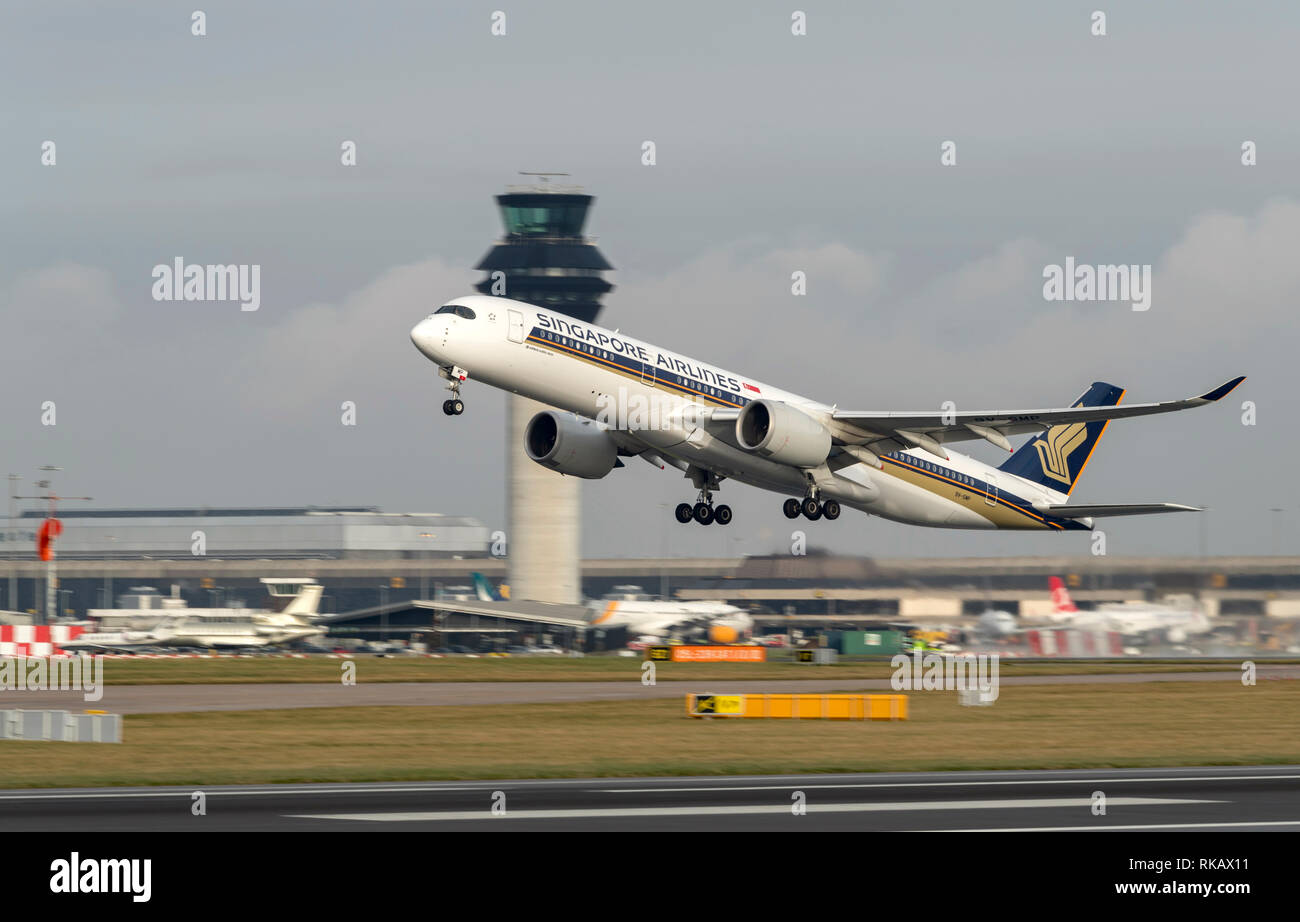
(1072, 511)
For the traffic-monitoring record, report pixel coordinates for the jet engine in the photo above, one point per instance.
(723, 633)
(782, 433)
(570, 444)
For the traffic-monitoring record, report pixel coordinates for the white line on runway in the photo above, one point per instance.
(795, 781)
(943, 784)
(1101, 828)
(597, 812)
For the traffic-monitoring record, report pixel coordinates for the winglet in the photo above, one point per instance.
(1223, 390)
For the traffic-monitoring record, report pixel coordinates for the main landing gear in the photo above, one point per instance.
(811, 508)
(704, 511)
(455, 378)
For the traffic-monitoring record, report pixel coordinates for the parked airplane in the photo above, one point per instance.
(648, 620)
(621, 397)
(1177, 621)
(172, 623)
(995, 623)
(214, 627)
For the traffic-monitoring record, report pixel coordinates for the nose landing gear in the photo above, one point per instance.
(455, 376)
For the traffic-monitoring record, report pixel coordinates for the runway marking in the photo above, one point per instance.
(1100, 828)
(941, 784)
(746, 810)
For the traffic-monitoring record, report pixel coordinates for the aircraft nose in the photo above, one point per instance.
(423, 337)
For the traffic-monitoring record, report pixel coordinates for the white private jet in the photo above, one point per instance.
(172, 623)
(625, 397)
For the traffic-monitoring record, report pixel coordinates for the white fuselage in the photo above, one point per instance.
(587, 370)
(230, 627)
(1139, 618)
(649, 618)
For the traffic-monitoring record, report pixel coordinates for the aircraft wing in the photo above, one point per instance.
(883, 432)
(539, 612)
(1105, 509)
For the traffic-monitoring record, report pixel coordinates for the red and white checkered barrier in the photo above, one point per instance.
(37, 639)
(1071, 642)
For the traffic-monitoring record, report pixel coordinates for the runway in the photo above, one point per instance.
(1257, 798)
(159, 699)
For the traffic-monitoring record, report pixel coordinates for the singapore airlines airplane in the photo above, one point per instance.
(625, 398)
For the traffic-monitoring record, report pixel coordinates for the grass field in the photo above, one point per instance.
(1073, 726)
(551, 669)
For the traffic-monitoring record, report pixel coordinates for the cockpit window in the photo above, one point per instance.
(458, 309)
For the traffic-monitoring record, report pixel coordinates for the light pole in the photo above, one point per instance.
(51, 573)
(108, 574)
(12, 600)
(424, 571)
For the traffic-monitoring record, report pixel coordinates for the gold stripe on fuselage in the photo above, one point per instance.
(1001, 513)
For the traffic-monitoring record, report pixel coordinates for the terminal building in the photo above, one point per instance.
(304, 532)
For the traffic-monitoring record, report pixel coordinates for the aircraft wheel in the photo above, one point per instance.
(447, 408)
(457, 407)
(722, 515)
(812, 509)
(703, 513)
(791, 508)
(684, 512)
(831, 509)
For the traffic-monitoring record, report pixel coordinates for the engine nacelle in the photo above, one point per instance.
(723, 633)
(782, 433)
(570, 444)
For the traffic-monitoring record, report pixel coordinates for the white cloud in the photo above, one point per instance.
(357, 345)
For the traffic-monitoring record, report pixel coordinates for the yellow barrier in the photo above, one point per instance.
(799, 707)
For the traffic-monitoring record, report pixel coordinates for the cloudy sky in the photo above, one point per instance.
(775, 153)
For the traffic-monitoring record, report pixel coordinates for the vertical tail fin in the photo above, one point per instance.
(1062, 604)
(483, 589)
(306, 601)
(1056, 458)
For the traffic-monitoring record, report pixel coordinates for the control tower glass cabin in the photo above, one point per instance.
(544, 257)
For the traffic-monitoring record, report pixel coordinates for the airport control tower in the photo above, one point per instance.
(546, 261)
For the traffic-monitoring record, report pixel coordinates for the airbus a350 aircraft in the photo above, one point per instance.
(625, 398)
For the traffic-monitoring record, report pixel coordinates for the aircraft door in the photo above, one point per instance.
(648, 374)
(516, 326)
(991, 494)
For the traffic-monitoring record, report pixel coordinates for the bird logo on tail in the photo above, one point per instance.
(1055, 449)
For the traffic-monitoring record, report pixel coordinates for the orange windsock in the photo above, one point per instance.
(50, 529)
